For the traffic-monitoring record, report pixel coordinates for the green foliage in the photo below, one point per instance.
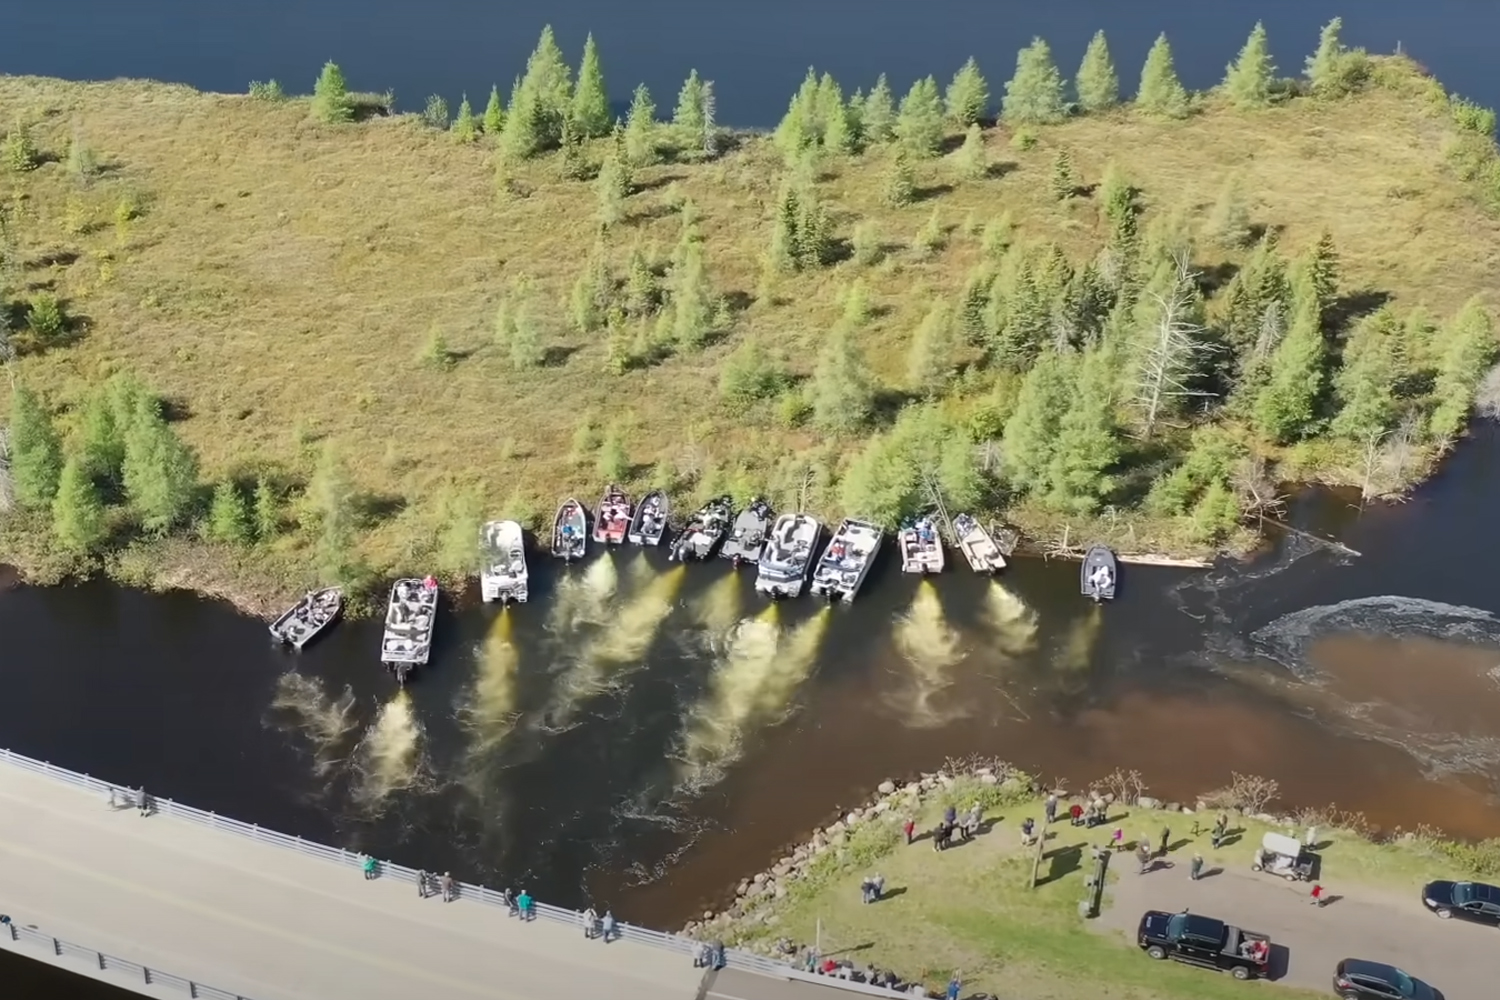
(972, 160)
(1064, 178)
(885, 482)
(547, 91)
(435, 352)
(933, 235)
(270, 90)
(1034, 95)
(1210, 459)
(44, 317)
(526, 350)
(19, 148)
(749, 376)
(494, 114)
(593, 293)
(1097, 83)
(1216, 514)
(160, 471)
(1025, 138)
(83, 162)
(332, 516)
(613, 462)
(228, 515)
(1248, 80)
(612, 187)
(78, 520)
(843, 391)
(1031, 432)
(693, 300)
(465, 126)
(900, 179)
(1088, 441)
(998, 235)
(1319, 267)
(1472, 117)
(265, 511)
(879, 113)
(856, 303)
(919, 123)
(435, 114)
(1466, 350)
(968, 97)
(1284, 408)
(642, 290)
(460, 511)
(1160, 92)
(930, 361)
(688, 119)
(590, 111)
(640, 128)
(331, 101)
(35, 453)
(1333, 70)
(1228, 222)
(1364, 384)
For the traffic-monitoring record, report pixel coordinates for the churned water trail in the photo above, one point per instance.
(303, 708)
(1009, 622)
(389, 757)
(932, 648)
(490, 713)
(584, 599)
(718, 610)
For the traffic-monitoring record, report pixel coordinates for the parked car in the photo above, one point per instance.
(1203, 941)
(1356, 979)
(1473, 900)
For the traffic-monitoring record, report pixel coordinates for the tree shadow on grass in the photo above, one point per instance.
(1347, 308)
(889, 403)
(662, 181)
(557, 355)
(927, 192)
(372, 508)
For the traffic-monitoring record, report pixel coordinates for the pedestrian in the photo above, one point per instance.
(1143, 855)
(608, 925)
(509, 899)
(954, 985)
(1195, 870)
(1119, 838)
(422, 878)
(1221, 828)
(1317, 895)
(590, 919)
(368, 866)
(1166, 836)
(703, 956)
(1051, 808)
(950, 816)
(1311, 838)
(145, 803)
(721, 955)
(1027, 836)
(877, 887)
(114, 801)
(909, 828)
(448, 889)
(1075, 812)
(523, 903)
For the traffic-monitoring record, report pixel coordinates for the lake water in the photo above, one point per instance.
(644, 736)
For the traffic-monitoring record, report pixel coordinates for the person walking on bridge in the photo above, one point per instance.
(144, 801)
(447, 883)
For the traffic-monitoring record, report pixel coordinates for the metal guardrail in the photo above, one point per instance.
(109, 963)
(735, 958)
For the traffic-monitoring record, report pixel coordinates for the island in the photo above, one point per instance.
(262, 341)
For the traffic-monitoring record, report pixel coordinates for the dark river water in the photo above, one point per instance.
(643, 735)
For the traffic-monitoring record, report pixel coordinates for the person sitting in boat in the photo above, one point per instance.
(1101, 578)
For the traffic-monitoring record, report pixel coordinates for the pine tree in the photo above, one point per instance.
(331, 101)
(160, 471)
(782, 254)
(266, 511)
(919, 123)
(692, 300)
(617, 354)
(612, 188)
(933, 235)
(1088, 442)
(548, 89)
(1064, 179)
(1097, 83)
(800, 127)
(900, 180)
(842, 389)
(998, 234)
(526, 349)
(330, 500)
(1320, 267)
(1364, 384)
(1249, 78)
(856, 303)
(688, 118)
(228, 520)
(613, 462)
(590, 99)
(813, 241)
(640, 128)
(526, 126)
(1324, 65)
(968, 97)
(1161, 93)
(1284, 407)
(642, 290)
(841, 131)
(465, 127)
(929, 364)
(101, 445)
(1228, 223)
(880, 113)
(78, 520)
(592, 292)
(36, 459)
(1466, 350)
(1031, 432)
(973, 162)
(1035, 94)
(494, 114)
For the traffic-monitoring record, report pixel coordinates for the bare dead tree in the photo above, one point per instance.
(1126, 786)
(1171, 362)
(1256, 490)
(1248, 793)
(1371, 463)
(987, 453)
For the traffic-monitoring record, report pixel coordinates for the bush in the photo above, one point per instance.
(268, 91)
(44, 316)
(1472, 117)
(1024, 139)
(1480, 860)
(436, 112)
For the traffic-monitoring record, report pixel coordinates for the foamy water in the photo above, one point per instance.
(389, 757)
(303, 707)
(932, 648)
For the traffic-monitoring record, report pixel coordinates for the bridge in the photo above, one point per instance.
(185, 902)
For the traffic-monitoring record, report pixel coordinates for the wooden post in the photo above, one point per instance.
(1036, 860)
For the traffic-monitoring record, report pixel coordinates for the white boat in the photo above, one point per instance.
(301, 623)
(502, 574)
(1100, 574)
(788, 555)
(570, 535)
(978, 547)
(748, 536)
(650, 520)
(704, 530)
(409, 621)
(847, 560)
(921, 547)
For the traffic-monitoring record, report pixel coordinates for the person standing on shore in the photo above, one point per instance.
(1143, 855)
(1051, 808)
(1166, 836)
(1221, 828)
(954, 985)
(1195, 871)
(909, 828)
(524, 902)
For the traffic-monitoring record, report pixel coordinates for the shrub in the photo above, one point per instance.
(1024, 139)
(44, 316)
(1472, 117)
(267, 91)
(436, 112)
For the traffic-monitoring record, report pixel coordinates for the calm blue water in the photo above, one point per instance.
(756, 52)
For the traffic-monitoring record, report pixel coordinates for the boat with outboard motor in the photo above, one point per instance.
(301, 623)
(747, 538)
(612, 517)
(845, 563)
(788, 555)
(409, 622)
(650, 521)
(921, 547)
(570, 531)
(978, 547)
(704, 530)
(1099, 574)
(502, 572)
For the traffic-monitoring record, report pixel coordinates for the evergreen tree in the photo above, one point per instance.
(1364, 384)
(640, 128)
(548, 88)
(1161, 93)
(1249, 78)
(973, 162)
(330, 501)
(465, 127)
(526, 126)
(919, 123)
(688, 118)
(617, 353)
(1216, 514)
(880, 113)
(856, 302)
(612, 187)
(801, 126)
(1324, 65)
(929, 364)
(842, 389)
(78, 521)
(228, 519)
(36, 459)
(1064, 180)
(1320, 268)
(1097, 83)
(973, 302)
(592, 293)
(590, 99)
(1466, 350)
(1284, 407)
(494, 114)
(526, 349)
(782, 255)
(435, 114)
(692, 300)
(331, 101)
(900, 180)
(748, 376)
(841, 132)
(101, 444)
(998, 234)
(813, 242)
(265, 511)
(613, 462)
(1228, 223)
(1088, 442)
(160, 471)
(1035, 94)
(1031, 432)
(642, 290)
(968, 96)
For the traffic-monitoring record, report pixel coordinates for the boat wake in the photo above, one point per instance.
(303, 708)
(490, 713)
(933, 648)
(389, 757)
(716, 612)
(1287, 639)
(1010, 622)
(584, 599)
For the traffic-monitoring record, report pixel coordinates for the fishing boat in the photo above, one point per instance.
(570, 531)
(301, 623)
(612, 518)
(704, 530)
(921, 548)
(409, 621)
(650, 521)
(977, 546)
(787, 556)
(846, 561)
(1099, 574)
(748, 536)
(502, 574)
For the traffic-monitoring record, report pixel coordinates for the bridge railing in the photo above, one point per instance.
(735, 958)
(110, 963)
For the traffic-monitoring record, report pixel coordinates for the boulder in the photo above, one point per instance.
(740, 890)
(852, 819)
(880, 808)
(760, 878)
(989, 779)
(708, 914)
(780, 891)
(1147, 802)
(1188, 810)
(886, 787)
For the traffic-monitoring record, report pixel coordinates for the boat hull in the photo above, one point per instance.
(980, 549)
(833, 580)
(571, 514)
(613, 517)
(644, 528)
(411, 619)
(1096, 558)
(918, 559)
(497, 592)
(297, 628)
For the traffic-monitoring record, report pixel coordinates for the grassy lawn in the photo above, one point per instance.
(970, 909)
(277, 279)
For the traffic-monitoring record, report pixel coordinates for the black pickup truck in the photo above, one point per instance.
(1212, 944)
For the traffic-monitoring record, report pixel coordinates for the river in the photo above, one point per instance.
(644, 736)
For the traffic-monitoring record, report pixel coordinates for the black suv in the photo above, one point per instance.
(1205, 942)
(1474, 900)
(1356, 979)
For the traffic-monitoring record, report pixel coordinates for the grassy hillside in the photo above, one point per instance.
(287, 285)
